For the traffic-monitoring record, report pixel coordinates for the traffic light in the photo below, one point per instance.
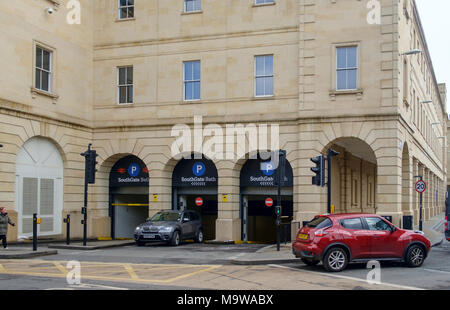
(90, 165)
(319, 170)
(278, 211)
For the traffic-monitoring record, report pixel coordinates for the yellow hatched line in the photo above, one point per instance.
(191, 274)
(128, 267)
(131, 272)
(61, 268)
(87, 264)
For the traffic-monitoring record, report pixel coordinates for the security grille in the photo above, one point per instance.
(30, 196)
(47, 196)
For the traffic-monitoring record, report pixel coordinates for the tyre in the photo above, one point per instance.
(415, 256)
(140, 243)
(199, 236)
(335, 260)
(310, 262)
(175, 239)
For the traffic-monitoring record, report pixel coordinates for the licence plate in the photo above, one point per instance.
(303, 236)
(149, 236)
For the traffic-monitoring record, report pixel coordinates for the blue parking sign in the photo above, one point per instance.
(199, 169)
(267, 168)
(134, 170)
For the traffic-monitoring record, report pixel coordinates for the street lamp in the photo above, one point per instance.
(426, 101)
(411, 52)
(437, 123)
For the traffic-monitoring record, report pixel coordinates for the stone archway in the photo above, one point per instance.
(354, 175)
(407, 181)
(39, 186)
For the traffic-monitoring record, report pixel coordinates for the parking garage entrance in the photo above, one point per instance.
(128, 196)
(258, 201)
(194, 187)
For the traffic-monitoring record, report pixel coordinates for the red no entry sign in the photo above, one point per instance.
(269, 202)
(421, 186)
(199, 201)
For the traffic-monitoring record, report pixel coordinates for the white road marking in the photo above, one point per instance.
(237, 256)
(349, 278)
(438, 271)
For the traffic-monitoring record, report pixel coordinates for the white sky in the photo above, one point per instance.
(436, 23)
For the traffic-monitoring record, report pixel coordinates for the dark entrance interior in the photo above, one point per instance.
(208, 212)
(257, 183)
(261, 225)
(192, 179)
(129, 198)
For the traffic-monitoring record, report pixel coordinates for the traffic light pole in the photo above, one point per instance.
(89, 178)
(85, 212)
(331, 154)
(280, 181)
(420, 209)
(85, 203)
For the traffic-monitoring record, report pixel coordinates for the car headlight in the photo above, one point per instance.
(138, 228)
(166, 229)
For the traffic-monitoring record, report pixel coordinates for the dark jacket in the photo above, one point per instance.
(4, 221)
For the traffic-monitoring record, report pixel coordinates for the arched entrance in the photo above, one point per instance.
(354, 176)
(39, 187)
(257, 184)
(194, 187)
(128, 196)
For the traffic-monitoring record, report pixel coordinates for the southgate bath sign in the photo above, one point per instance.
(259, 173)
(129, 171)
(195, 173)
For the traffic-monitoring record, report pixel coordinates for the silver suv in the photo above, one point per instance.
(171, 227)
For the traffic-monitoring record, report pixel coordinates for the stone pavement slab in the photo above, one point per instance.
(434, 229)
(24, 253)
(91, 245)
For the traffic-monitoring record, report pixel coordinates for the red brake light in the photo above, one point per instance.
(320, 233)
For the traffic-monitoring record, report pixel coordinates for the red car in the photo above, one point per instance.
(339, 239)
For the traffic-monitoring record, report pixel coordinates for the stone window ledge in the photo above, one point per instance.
(263, 4)
(118, 20)
(35, 91)
(192, 13)
(357, 92)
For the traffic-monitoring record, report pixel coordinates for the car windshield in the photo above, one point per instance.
(166, 217)
(319, 222)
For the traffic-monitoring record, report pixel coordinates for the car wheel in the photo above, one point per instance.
(140, 243)
(175, 239)
(335, 260)
(415, 256)
(310, 262)
(199, 236)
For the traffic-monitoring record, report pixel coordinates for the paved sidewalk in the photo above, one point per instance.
(91, 245)
(434, 229)
(267, 255)
(24, 253)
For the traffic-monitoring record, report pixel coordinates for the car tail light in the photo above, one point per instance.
(320, 233)
(446, 223)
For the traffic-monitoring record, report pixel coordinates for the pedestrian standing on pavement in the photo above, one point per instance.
(4, 221)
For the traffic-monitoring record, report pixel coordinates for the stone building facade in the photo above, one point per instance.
(327, 73)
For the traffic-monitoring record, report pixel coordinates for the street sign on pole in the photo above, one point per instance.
(420, 186)
(269, 202)
(199, 201)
